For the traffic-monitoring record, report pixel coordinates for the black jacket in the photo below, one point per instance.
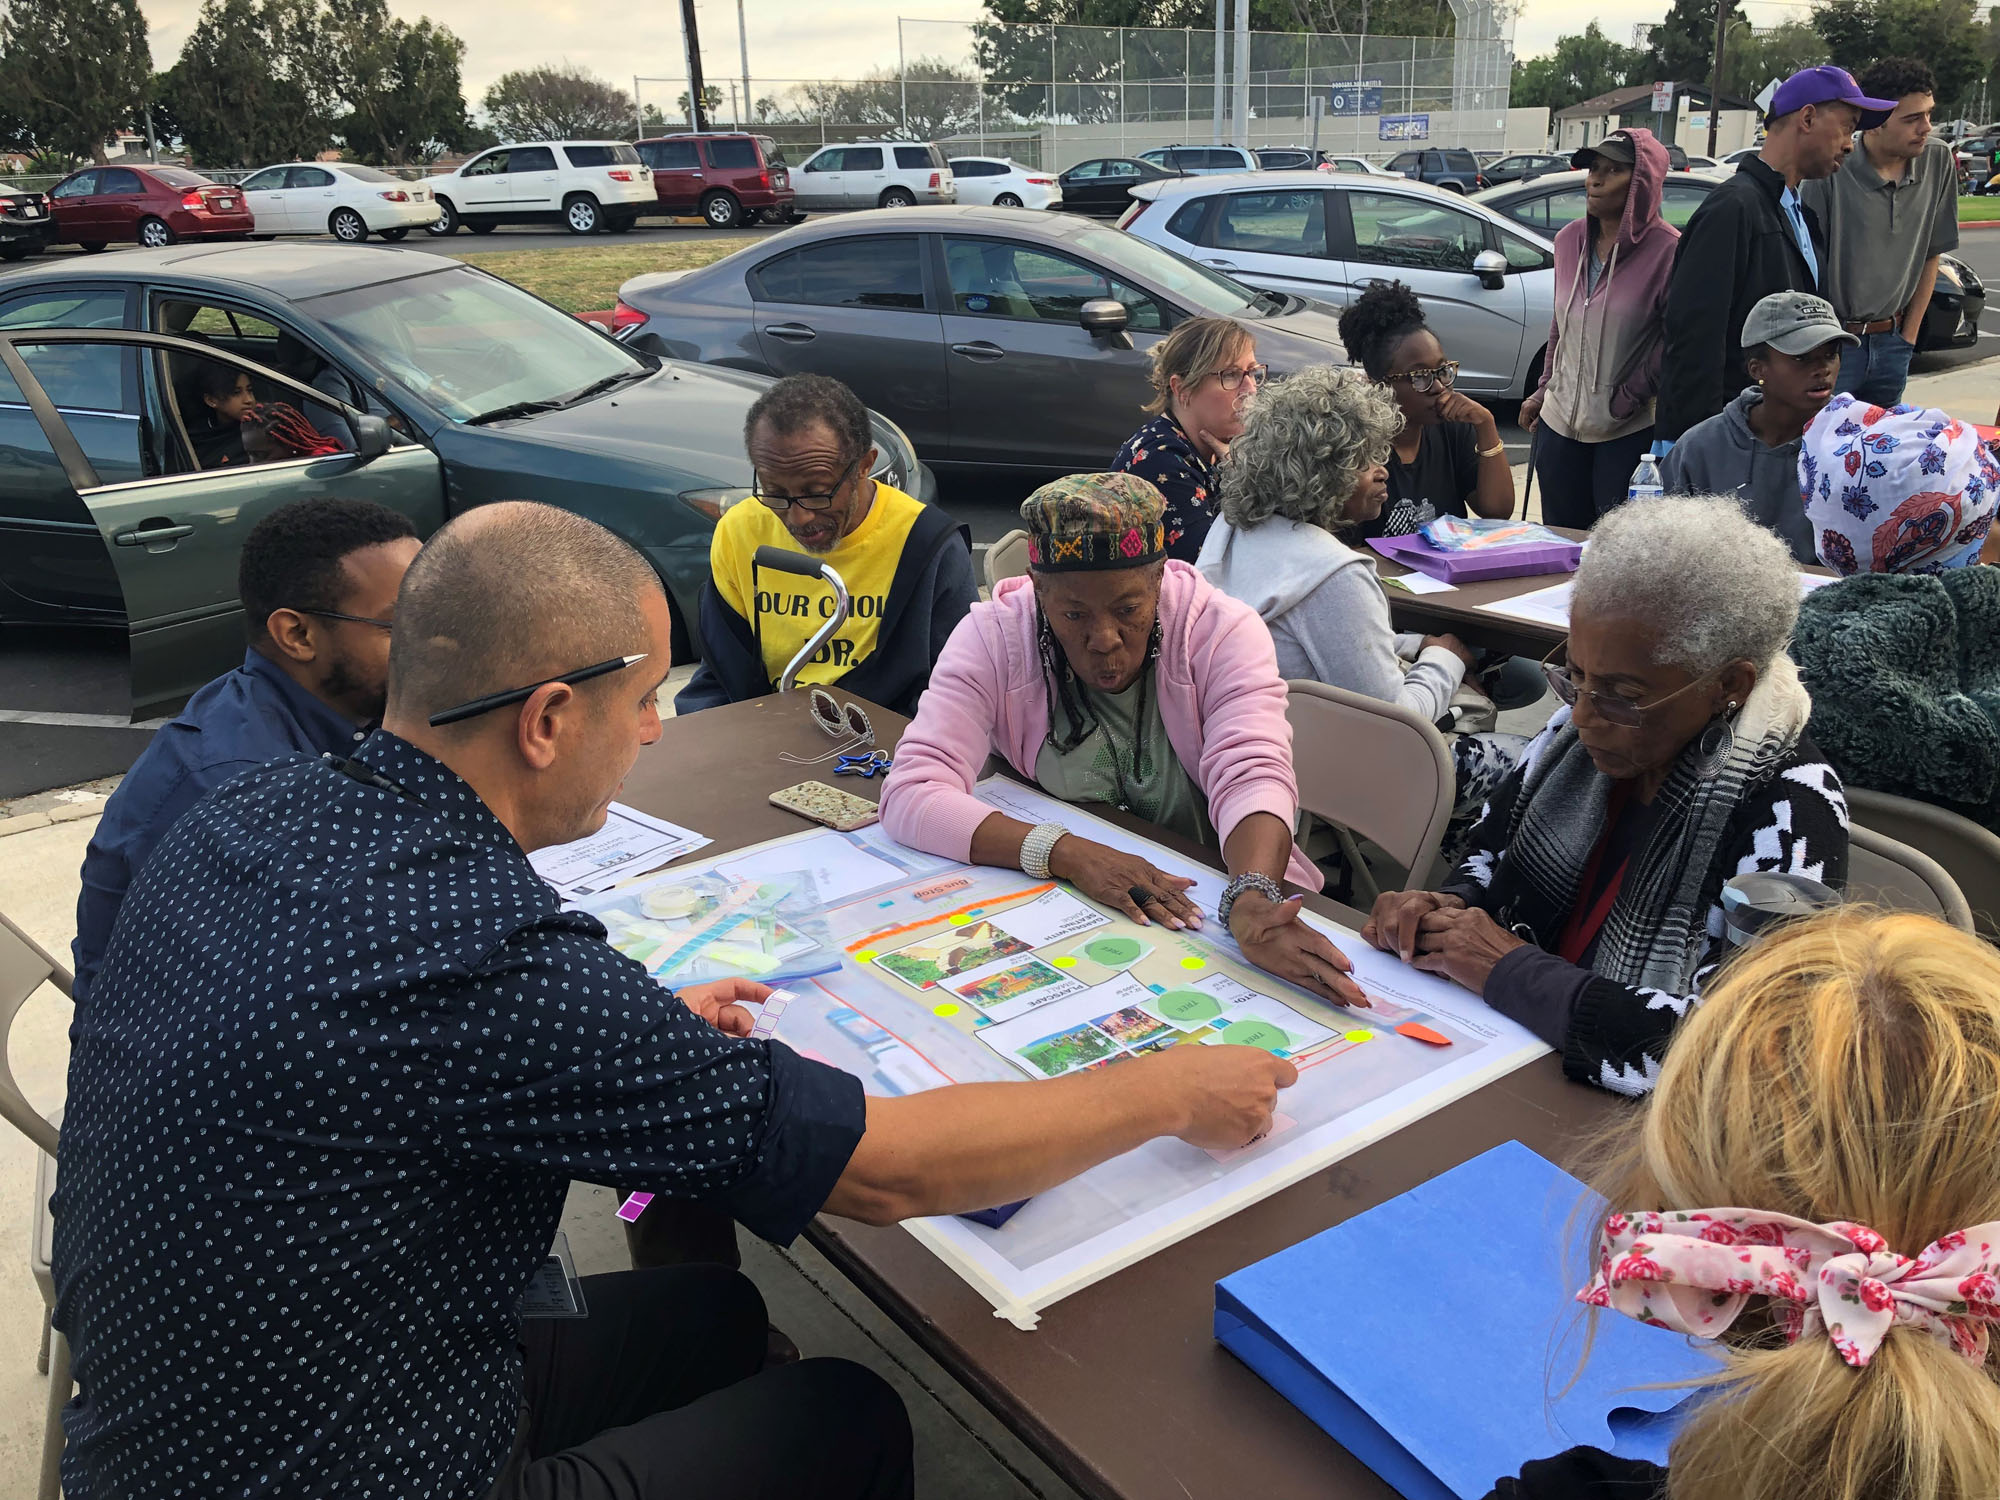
(1737, 249)
(932, 591)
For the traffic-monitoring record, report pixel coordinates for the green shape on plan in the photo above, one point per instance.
(1189, 1005)
(1112, 952)
(1255, 1033)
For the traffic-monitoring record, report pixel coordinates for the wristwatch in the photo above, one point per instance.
(1251, 880)
(1038, 846)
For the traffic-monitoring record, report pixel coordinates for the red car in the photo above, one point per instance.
(151, 206)
(727, 177)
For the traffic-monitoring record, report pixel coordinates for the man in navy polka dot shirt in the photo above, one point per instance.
(346, 1051)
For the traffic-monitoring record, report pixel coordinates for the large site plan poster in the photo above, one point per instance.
(914, 971)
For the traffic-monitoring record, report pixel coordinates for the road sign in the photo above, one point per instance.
(1355, 98)
(1663, 98)
(1765, 95)
(1404, 128)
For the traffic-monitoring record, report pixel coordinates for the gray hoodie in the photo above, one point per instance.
(1328, 615)
(1722, 456)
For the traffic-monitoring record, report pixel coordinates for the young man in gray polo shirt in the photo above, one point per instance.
(1889, 212)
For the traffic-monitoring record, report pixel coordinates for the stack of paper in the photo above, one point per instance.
(630, 843)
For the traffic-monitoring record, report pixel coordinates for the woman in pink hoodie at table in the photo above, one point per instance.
(1112, 674)
(1595, 403)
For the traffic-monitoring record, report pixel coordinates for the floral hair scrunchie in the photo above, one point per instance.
(1896, 489)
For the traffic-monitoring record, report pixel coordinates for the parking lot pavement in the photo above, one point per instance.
(65, 709)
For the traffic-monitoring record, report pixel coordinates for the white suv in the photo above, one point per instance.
(873, 174)
(587, 185)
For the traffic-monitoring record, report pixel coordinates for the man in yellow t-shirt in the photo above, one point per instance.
(906, 565)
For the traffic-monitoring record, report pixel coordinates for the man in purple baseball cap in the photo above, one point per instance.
(1752, 237)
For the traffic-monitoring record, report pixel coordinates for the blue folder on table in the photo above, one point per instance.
(1436, 1337)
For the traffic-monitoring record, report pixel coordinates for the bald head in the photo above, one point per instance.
(510, 594)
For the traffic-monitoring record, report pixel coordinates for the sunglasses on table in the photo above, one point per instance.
(1623, 712)
(1437, 378)
(782, 503)
(1231, 380)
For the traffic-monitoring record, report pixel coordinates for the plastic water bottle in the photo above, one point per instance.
(1646, 483)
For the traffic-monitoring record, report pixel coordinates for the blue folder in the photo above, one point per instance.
(1436, 1338)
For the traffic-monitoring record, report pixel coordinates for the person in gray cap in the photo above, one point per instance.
(1750, 449)
(1752, 237)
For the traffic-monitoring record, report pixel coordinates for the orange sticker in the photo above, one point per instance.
(1421, 1033)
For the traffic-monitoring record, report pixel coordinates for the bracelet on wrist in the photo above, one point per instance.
(1251, 880)
(1036, 848)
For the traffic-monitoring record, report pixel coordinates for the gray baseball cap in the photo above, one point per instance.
(1794, 323)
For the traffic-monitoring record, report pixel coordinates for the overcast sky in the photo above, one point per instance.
(788, 38)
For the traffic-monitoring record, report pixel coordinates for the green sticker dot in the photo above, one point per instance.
(1063, 961)
(1194, 963)
(958, 919)
(1256, 1033)
(1189, 1005)
(947, 1010)
(866, 956)
(1359, 1036)
(1112, 952)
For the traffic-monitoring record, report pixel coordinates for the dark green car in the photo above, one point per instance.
(123, 504)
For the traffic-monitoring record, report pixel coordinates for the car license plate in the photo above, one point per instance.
(31, 210)
(781, 180)
(225, 203)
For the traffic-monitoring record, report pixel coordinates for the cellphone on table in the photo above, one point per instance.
(838, 810)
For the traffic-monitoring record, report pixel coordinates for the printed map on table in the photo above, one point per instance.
(926, 972)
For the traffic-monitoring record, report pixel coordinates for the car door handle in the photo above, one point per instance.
(980, 349)
(793, 333)
(150, 532)
(1221, 265)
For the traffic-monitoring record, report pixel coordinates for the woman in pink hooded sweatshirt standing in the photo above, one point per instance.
(1113, 674)
(1595, 402)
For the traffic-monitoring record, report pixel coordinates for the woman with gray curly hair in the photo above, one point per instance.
(1309, 469)
(1589, 908)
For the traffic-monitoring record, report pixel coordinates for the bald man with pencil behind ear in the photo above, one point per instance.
(375, 1050)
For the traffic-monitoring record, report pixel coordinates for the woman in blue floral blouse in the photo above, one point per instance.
(1203, 374)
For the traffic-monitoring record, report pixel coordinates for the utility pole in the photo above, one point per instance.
(1242, 131)
(1715, 75)
(691, 40)
(743, 48)
(638, 109)
(1221, 33)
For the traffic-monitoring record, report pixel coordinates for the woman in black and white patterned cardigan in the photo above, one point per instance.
(1589, 905)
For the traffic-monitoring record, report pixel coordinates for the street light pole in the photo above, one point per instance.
(743, 47)
(1715, 74)
(691, 39)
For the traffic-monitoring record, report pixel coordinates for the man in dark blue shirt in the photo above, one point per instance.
(346, 1052)
(318, 581)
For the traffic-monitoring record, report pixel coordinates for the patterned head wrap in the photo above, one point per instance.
(1093, 522)
(1897, 489)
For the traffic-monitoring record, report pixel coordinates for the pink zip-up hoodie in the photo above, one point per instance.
(1220, 696)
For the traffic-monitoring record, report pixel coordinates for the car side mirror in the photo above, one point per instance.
(371, 436)
(1106, 318)
(1490, 266)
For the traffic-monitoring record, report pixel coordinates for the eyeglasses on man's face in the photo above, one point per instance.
(334, 614)
(782, 503)
(1437, 378)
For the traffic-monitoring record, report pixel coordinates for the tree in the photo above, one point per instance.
(1581, 67)
(251, 85)
(1751, 60)
(1684, 44)
(401, 84)
(73, 72)
(557, 104)
(928, 99)
(1944, 33)
(711, 101)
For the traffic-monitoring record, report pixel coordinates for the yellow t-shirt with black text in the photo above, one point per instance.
(789, 609)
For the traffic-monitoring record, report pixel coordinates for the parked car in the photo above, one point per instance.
(874, 174)
(343, 199)
(1548, 203)
(998, 340)
(25, 222)
(1103, 185)
(1300, 158)
(1449, 167)
(1488, 286)
(725, 176)
(1524, 167)
(1731, 160)
(151, 206)
(1201, 160)
(1702, 164)
(448, 386)
(1002, 182)
(1357, 164)
(590, 186)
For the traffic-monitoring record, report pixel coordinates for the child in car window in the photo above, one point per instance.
(236, 428)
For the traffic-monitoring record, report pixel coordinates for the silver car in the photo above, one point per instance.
(1488, 285)
(873, 174)
(996, 339)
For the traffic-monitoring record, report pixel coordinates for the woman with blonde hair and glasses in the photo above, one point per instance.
(1589, 906)
(1203, 376)
(1813, 1186)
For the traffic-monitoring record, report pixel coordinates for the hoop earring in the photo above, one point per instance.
(1717, 741)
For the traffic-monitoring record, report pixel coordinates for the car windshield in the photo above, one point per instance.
(368, 174)
(176, 177)
(1207, 292)
(471, 344)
